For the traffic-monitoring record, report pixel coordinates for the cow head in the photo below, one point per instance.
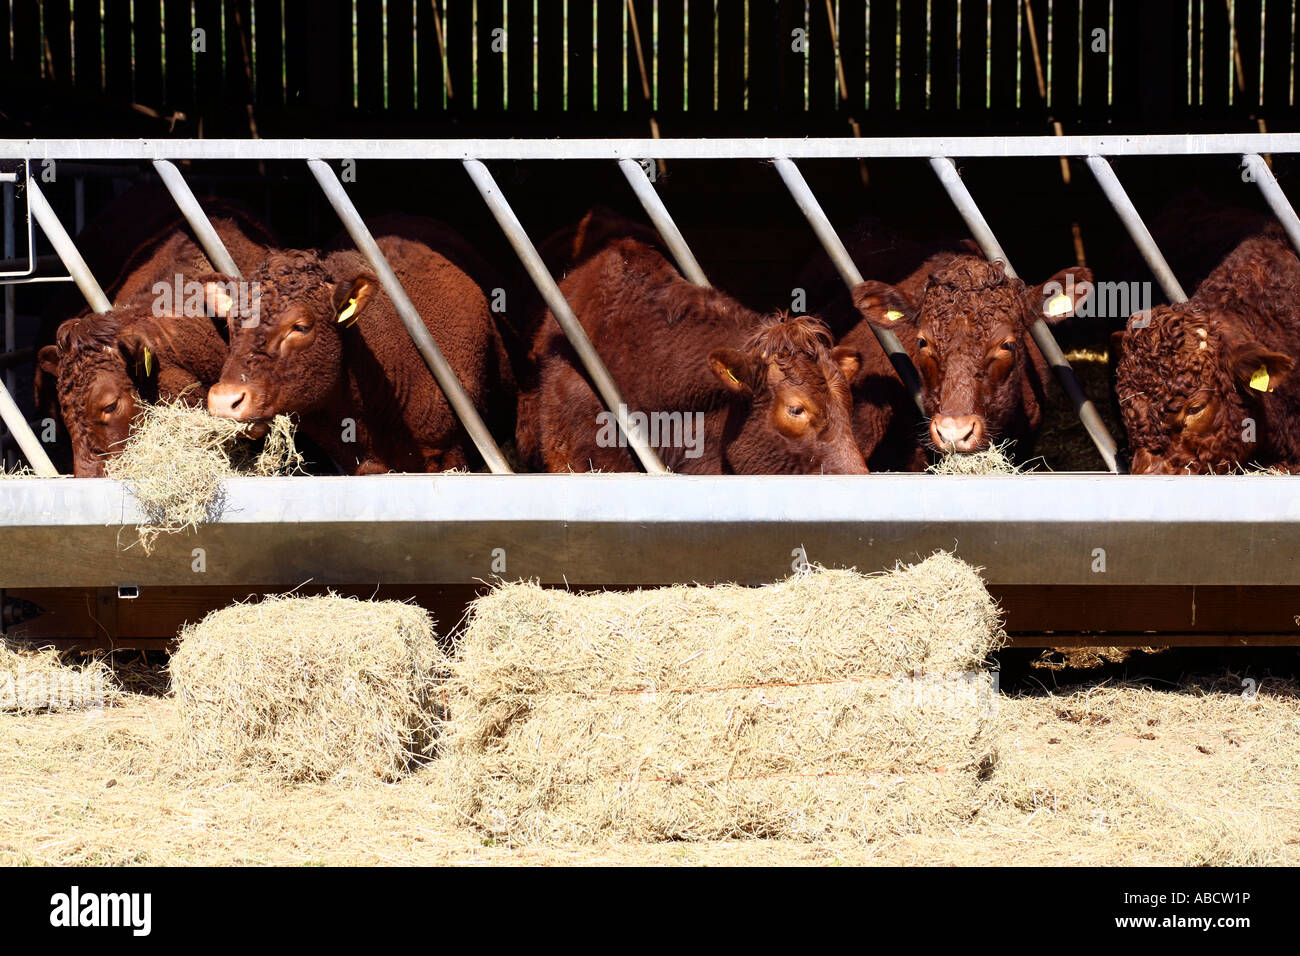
(1188, 381)
(969, 338)
(795, 408)
(287, 355)
(103, 366)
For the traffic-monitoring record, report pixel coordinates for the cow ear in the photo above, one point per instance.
(140, 354)
(351, 297)
(217, 300)
(848, 359)
(46, 386)
(882, 304)
(1060, 297)
(1116, 345)
(1259, 368)
(737, 370)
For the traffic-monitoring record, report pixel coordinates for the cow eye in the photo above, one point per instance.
(1195, 408)
(795, 411)
(111, 407)
(300, 327)
(922, 342)
(1009, 346)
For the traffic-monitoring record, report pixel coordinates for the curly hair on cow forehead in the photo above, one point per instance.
(967, 273)
(292, 274)
(91, 333)
(783, 334)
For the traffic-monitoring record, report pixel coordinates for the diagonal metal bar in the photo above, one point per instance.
(1273, 195)
(1047, 344)
(663, 221)
(1137, 229)
(424, 341)
(564, 315)
(66, 250)
(212, 245)
(834, 246)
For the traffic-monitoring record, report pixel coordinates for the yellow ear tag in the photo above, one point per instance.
(349, 312)
(1259, 381)
(1059, 305)
(148, 362)
(893, 315)
(732, 375)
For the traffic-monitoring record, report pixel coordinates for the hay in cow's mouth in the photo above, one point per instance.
(994, 460)
(178, 458)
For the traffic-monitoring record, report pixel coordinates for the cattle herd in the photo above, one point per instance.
(1201, 386)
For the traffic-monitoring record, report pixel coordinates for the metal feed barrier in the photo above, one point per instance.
(1044, 530)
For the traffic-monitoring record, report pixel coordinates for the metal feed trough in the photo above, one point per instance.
(1079, 530)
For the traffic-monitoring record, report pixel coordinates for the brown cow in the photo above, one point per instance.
(146, 348)
(965, 326)
(329, 347)
(717, 387)
(1206, 385)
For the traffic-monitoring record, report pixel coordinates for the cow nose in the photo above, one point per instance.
(959, 433)
(228, 401)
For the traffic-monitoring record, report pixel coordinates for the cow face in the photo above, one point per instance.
(91, 375)
(796, 410)
(286, 357)
(1193, 391)
(103, 366)
(969, 339)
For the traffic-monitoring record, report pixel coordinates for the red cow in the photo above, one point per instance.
(146, 348)
(965, 325)
(716, 387)
(328, 346)
(1206, 385)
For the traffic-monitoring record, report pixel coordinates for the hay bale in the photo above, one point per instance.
(831, 704)
(309, 688)
(994, 460)
(178, 457)
(42, 681)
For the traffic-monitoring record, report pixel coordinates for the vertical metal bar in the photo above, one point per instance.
(424, 341)
(71, 258)
(1274, 196)
(572, 328)
(831, 242)
(1137, 229)
(979, 227)
(23, 435)
(212, 245)
(10, 325)
(658, 213)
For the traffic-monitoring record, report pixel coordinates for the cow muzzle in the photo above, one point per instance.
(237, 402)
(957, 433)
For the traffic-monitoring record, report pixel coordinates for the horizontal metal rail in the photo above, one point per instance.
(638, 529)
(442, 371)
(915, 147)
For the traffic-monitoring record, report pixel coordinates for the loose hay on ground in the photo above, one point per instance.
(704, 713)
(35, 681)
(310, 688)
(178, 457)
